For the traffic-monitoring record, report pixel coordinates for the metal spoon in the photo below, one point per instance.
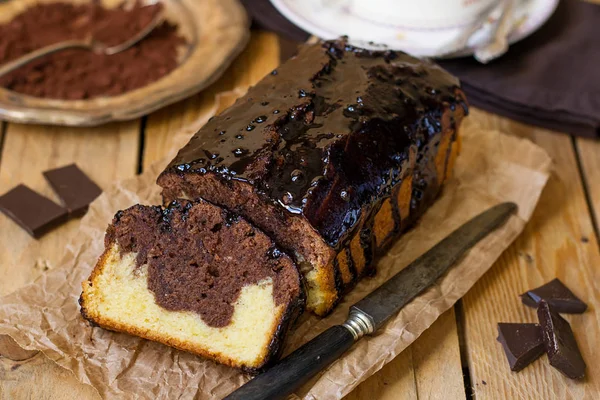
(88, 44)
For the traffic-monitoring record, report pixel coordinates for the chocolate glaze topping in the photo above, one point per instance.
(328, 132)
(199, 257)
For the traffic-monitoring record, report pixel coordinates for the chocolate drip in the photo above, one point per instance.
(396, 215)
(367, 242)
(351, 266)
(337, 277)
(424, 177)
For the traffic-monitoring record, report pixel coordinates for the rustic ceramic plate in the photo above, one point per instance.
(216, 32)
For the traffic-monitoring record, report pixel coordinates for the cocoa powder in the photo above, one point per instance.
(82, 74)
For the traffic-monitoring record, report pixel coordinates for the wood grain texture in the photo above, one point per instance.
(551, 246)
(105, 154)
(589, 155)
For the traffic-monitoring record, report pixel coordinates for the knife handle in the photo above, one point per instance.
(296, 369)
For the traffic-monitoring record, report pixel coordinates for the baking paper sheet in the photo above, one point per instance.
(493, 167)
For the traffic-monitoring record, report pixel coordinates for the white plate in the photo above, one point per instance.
(330, 20)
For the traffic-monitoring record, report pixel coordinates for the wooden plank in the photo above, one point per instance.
(589, 155)
(106, 153)
(550, 246)
(436, 360)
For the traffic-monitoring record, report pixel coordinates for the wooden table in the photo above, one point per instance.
(456, 358)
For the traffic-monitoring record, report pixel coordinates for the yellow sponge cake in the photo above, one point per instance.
(198, 278)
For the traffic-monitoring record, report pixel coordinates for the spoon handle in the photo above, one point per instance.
(44, 51)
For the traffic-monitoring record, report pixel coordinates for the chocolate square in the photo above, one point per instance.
(560, 342)
(74, 188)
(555, 293)
(522, 343)
(32, 211)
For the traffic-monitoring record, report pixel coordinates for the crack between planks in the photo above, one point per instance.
(460, 330)
(414, 373)
(586, 192)
(3, 130)
(142, 144)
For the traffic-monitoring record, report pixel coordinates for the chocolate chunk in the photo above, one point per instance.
(557, 295)
(73, 186)
(32, 211)
(522, 343)
(560, 343)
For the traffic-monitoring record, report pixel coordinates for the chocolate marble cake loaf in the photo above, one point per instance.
(198, 278)
(333, 155)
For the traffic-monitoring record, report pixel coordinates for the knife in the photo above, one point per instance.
(370, 313)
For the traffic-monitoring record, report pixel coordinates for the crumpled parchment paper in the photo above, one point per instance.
(492, 168)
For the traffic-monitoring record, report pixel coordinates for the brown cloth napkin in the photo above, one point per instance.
(550, 79)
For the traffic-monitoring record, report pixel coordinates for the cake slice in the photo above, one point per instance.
(197, 278)
(334, 155)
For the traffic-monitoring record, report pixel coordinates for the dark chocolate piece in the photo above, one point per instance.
(32, 211)
(557, 295)
(74, 188)
(560, 343)
(522, 343)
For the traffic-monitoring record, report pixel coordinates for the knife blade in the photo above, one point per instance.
(370, 313)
